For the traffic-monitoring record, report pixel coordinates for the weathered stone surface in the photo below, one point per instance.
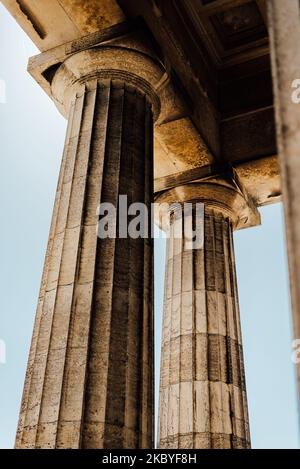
(89, 382)
(228, 104)
(53, 22)
(89, 379)
(284, 38)
(203, 400)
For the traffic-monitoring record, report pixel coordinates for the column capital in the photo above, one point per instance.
(105, 63)
(122, 52)
(222, 195)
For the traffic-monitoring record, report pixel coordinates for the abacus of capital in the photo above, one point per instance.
(142, 124)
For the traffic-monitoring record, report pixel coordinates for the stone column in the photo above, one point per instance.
(89, 381)
(203, 401)
(284, 29)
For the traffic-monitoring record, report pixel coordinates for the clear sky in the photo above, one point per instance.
(32, 137)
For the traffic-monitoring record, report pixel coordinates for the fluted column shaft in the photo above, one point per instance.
(203, 400)
(89, 381)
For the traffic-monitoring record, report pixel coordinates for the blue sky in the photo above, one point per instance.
(32, 137)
